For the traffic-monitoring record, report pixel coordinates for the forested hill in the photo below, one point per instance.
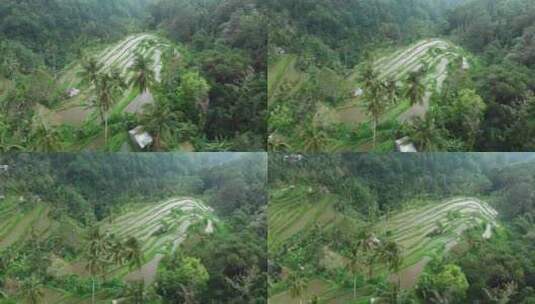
(334, 32)
(320, 204)
(57, 30)
(483, 101)
(90, 186)
(502, 33)
(211, 55)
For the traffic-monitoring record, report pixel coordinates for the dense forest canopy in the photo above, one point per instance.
(56, 31)
(366, 189)
(84, 181)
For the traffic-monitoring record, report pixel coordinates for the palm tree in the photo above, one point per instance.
(143, 73)
(31, 289)
(133, 253)
(354, 266)
(160, 121)
(390, 254)
(90, 69)
(368, 243)
(377, 95)
(44, 138)
(95, 251)
(391, 90)
(416, 89)
(108, 87)
(297, 286)
(314, 139)
(425, 134)
(116, 250)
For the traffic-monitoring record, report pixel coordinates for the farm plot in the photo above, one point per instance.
(117, 57)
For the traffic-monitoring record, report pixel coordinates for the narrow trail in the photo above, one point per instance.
(420, 109)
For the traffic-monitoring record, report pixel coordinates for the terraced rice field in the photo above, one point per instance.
(15, 225)
(290, 212)
(175, 215)
(119, 57)
(415, 230)
(432, 54)
(160, 228)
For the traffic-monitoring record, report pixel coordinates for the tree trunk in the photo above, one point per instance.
(354, 286)
(106, 128)
(93, 291)
(374, 131)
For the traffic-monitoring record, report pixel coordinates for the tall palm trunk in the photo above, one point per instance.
(374, 132)
(93, 291)
(106, 128)
(354, 286)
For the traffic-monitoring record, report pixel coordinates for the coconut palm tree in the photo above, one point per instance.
(116, 250)
(133, 253)
(31, 289)
(95, 252)
(314, 139)
(390, 254)
(415, 89)
(297, 286)
(45, 138)
(143, 73)
(425, 134)
(377, 95)
(354, 260)
(108, 88)
(160, 120)
(369, 244)
(90, 69)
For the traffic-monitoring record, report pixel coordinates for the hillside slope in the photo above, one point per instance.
(116, 57)
(420, 231)
(159, 227)
(340, 93)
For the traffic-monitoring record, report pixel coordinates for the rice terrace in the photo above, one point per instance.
(165, 234)
(132, 76)
(361, 237)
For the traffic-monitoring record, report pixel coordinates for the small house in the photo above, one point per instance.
(72, 92)
(358, 92)
(140, 138)
(405, 145)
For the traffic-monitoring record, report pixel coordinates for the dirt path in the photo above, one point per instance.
(420, 109)
(136, 106)
(409, 276)
(147, 273)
